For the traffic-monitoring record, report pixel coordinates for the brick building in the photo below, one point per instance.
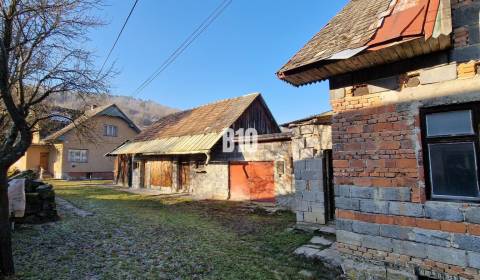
(405, 91)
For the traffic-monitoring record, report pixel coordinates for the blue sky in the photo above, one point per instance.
(238, 54)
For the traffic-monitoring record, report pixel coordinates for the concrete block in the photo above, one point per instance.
(344, 225)
(299, 216)
(312, 175)
(438, 74)
(393, 194)
(393, 274)
(381, 85)
(362, 192)
(374, 206)
(472, 215)
(342, 191)
(396, 232)
(406, 209)
(314, 164)
(299, 165)
(432, 237)
(316, 185)
(312, 197)
(300, 185)
(409, 248)
(377, 242)
(447, 255)
(467, 242)
(317, 207)
(443, 211)
(299, 174)
(365, 228)
(473, 260)
(337, 93)
(347, 203)
(301, 205)
(348, 237)
(314, 217)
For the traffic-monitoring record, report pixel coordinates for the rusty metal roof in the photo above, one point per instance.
(362, 33)
(189, 132)
(194, 144)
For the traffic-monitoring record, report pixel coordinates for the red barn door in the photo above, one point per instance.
(252, 181)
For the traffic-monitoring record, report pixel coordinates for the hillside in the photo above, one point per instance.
(142, 112)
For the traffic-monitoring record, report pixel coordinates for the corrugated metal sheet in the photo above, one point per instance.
(201, 143)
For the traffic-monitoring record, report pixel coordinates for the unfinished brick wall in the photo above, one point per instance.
(386, 227)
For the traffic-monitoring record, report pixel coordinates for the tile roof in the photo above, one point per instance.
(210, 118)
(189, 132)
(352, 28)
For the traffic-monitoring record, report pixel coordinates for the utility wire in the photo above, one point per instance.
(184, 45)
(119, 35)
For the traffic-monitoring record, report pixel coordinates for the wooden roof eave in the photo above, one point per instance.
(394, 52)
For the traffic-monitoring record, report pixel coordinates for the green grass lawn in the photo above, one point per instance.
(138, 237)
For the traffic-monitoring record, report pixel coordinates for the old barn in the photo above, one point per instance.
(183, 153)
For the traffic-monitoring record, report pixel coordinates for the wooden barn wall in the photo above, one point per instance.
(257, 116)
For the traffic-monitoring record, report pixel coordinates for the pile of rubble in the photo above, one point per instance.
(40, 204)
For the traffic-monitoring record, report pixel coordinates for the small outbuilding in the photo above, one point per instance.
(189, 152)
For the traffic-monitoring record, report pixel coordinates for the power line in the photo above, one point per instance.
(119, 34)
(184, 45)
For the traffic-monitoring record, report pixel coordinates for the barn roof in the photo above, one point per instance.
(368, 33)
(192, 131)
(109, 110)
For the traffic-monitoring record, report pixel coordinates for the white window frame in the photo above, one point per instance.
(78, 155)
(110, 130)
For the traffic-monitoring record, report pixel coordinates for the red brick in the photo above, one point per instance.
(343, 214)
(407, 163)
(355, 129)
(405, 221)
(357, 163)
(389, 145)
(474, 229)
(453, 227)
(428, 224)
(340, 163)
(385, 220)
(381, 182)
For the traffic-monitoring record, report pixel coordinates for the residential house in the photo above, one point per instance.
(184, 153)
(76, 150)
(405, 91)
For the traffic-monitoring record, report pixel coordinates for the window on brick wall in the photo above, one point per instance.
(451, 151)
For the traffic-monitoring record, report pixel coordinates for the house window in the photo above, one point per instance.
(451, 150)
(110, 130)
(77, 156)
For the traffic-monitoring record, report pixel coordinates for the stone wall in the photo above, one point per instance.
(277, 151)
(309, 141)
(386, 227)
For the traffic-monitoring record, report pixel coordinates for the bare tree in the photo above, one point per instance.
(41, 54)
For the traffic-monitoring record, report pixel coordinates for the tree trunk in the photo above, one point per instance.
(6, 256)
